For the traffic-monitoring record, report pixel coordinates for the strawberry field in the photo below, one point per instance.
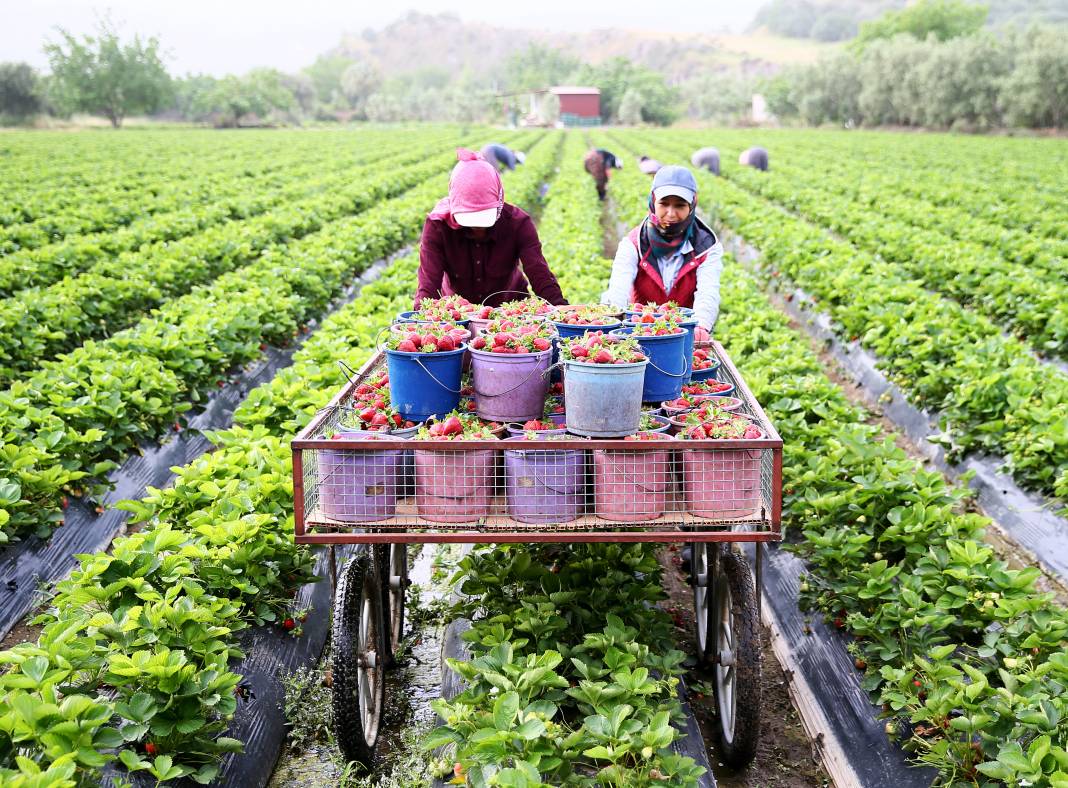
(143, 274)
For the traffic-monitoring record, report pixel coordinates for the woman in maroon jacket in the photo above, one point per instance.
(478, 246)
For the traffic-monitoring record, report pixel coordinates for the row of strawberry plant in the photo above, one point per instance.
(65, 185)
(993, 395)
(944, 173)
(1029, 301)
(574, 672)
(966, 652)
(250, 187)
(218, 554)
(39, 324)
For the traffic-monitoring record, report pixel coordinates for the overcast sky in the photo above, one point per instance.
(232, 36)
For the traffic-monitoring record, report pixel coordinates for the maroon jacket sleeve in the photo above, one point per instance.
(536, 269)
(431, 262)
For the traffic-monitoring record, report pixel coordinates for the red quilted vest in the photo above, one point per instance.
(649, 286)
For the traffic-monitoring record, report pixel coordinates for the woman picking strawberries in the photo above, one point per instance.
(671, 256)
(477, 245)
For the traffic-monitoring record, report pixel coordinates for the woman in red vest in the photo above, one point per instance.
(671, 256)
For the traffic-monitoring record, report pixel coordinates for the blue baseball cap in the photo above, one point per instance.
(674, 180)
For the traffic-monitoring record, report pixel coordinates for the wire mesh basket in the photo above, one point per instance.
(377, 487)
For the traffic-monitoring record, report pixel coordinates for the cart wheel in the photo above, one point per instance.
(357, 660)
(735, 655)
(392, 560)
(701, 570)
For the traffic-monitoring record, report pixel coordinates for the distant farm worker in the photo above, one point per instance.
(502, 157)
(599, 163)
(706, 158)
(755, 157)
(648, 166)
(671, 256)
(477, 245)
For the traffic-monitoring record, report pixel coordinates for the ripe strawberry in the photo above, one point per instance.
(452, 426)
(541, 343)
(363, 390)
(479, 343)
(502, 338)
(446, 343)
(471, 406)
(151, 748)
(397, 419)
(379, 419)
(647, 318)
(407, 346)
(485, 312)
(603, 357)
(288, 624)
(579, 351)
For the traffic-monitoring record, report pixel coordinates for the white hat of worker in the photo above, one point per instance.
(520, 156)
(486, 218)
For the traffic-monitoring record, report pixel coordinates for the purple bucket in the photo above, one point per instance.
(359, 486)
(510, 387)
(544, 485)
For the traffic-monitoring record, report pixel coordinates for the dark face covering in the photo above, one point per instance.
(665, 241)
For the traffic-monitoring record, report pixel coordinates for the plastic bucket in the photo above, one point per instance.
(721, 484)
(422, 385)
(407, 466)
(359, 486)
(603, 400)
(516, 430)
(678, 420)
(568, 330)
(698, 375)
(690, 324)
(453, 486)
(510, 387)
(543, 485)
(667, 371)
(663, 424)
(633, 485)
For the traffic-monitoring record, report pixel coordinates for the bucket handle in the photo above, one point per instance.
(348, 372)
(519, 385)
(515, 292)
(665, 372)
(422, 366)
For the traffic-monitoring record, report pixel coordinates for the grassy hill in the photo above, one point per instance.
(447, 43)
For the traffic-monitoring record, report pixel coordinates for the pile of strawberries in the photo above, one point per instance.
(454, 307)
(717, 424)
(585, 316)
(647, 436)
(371, 407)
(537, 425)
(509, 335)
(669, 309)
(532, 307)
(649, 326)
(704, 358)
(706, 387)
(427, 338)
(685, 402)
(458, 426)
(597, 347)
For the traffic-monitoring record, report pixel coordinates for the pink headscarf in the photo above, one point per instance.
(475, 185)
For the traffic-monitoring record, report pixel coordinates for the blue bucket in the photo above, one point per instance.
(667, 370)
(603, 400)
(699, 375)
(690, 324)
(422, 385)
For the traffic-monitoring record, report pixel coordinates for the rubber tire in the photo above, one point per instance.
(357, 580)
(393, 636)
(733, 572)
(707, 551)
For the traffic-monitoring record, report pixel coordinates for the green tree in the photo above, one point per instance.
(192, 95)
(20, 95)
(943, 19)
(103, 76)
(1035, 91)
(538, 66)
(630, 108)
(358, 82)
(615, 77)
(325, 74)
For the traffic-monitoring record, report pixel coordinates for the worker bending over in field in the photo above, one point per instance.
(477, 245)
(502, 157)
(671, 256)
(755, 157)
(598, 164)
(706, 158)
(648, 166)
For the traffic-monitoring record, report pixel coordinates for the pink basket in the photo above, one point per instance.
(453, 486)
(631, 486)
(721, 483)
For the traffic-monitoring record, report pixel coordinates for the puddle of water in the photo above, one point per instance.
(410, 689)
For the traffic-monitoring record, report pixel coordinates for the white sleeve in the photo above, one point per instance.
(624, 270)
(706, 299)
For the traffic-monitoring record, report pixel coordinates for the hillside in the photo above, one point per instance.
(445, 42)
